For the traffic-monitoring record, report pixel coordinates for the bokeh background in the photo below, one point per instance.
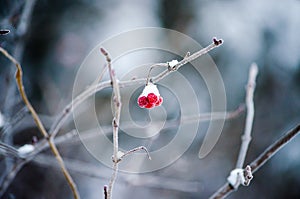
(61, 33)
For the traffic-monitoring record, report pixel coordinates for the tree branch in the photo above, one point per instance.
(96, 88)
(115, 121)
(246, 138)
(265, 156)
(67, 111)
(19, 76)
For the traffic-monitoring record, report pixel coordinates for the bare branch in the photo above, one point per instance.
(72, 135)
(19, 75)
(152, 67)
(96, 88)
(8, 150)
(246, 138)
(274, 148)
(97, 171)
(11, 175)
(115, 121)
(226, 189)
(134, 150)
(63, 116)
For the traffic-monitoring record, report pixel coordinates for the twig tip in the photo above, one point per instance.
(254, 68)
(217, 42)
(105, 191)
(103, 51)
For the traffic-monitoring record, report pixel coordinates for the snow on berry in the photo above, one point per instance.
(150, 97)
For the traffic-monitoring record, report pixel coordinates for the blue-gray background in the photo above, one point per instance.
(60, 35)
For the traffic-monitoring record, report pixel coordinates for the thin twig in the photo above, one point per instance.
(265, 156)
(105, 192)
(97, 171)
(101, 75)
(90, 134)
(274, 148)
(246, 138)
(16, 167)
(14, 120)
(134, 150)
(8, 150)
(115, 121)
(212, 116)
(71, 136)
(67, 111)
(152, 67)
(188, 59)
(39, 123)
(17, 51)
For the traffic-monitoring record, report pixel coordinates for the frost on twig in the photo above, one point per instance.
(134, 150)
(115, 122)
(239, 177)
(121, 154)
(246, 138)
(172, 65)
(226, 189)
(25, 149)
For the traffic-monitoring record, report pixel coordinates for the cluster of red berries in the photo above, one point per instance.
(150, 97)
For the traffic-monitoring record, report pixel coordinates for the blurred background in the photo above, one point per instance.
(52, 40)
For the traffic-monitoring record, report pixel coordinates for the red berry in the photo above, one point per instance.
(159, 102)
(150, 105)
(142, 101)
(152, 98)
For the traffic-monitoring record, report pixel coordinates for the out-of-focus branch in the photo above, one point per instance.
(8, 150)
(21, 30)
(12, 172)
(246, 138)
(265, 156)
(72, 135)
(19, 76)
(99, 172)
(18, 47)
